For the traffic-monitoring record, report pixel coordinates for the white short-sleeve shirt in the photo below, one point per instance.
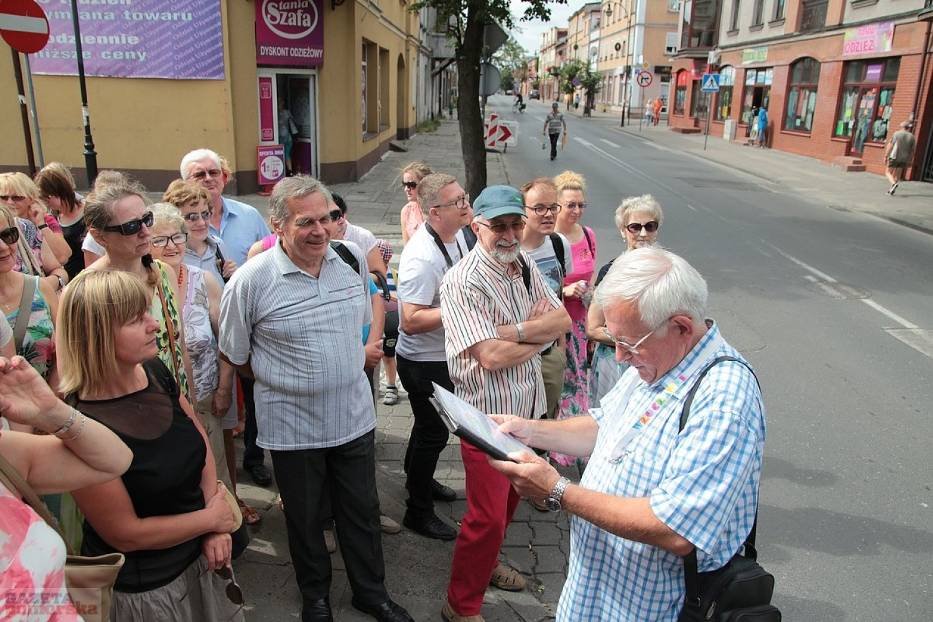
(546, 259)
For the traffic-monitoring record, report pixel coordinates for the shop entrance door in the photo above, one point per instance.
(290, 119)
(927, 173)
(864, 110)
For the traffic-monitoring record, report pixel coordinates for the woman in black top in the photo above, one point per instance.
(57, 189)
(167, 513)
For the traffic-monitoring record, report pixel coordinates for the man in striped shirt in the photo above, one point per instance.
(292, 317)
(498, 314)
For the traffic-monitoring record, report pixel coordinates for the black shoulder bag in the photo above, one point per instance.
(741, 590)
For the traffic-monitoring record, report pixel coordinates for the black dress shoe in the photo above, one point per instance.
(260, 474)
(430, 527)
(440, 492)
(384, 612)
(317, 611)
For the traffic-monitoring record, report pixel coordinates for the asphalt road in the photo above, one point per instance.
(835, 311)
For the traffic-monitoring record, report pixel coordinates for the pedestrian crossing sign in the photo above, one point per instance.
(710, 83)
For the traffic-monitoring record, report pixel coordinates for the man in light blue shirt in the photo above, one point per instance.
(651, 494)
(239, 226)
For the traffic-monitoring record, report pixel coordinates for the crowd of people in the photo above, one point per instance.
(139, 339)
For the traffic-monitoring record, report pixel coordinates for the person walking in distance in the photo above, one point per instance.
(553, 124)
(658, 104)
(899, 153)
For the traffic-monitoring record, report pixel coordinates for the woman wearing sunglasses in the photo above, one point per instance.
(639, 221)
(168, 513)
(205, 250)
(22, 195)
(412, 214)
(120, 220)
(571, 188)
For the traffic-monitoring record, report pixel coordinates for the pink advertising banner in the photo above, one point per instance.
(289, 33)
(266, 110)
(271, 164)
(868, 39)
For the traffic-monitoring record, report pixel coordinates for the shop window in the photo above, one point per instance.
(758, 13)
(680, 92)
(801, 99)
(724, 100)
(757, 92)
(383, 89)
(699, 100)
(866, 104)
(370, 94)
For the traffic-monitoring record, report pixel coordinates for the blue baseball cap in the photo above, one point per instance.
(496, 201)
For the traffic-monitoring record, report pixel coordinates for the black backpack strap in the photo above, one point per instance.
(469, 237)
(558, 245)
(691, 568)
(526, 273)
(346, 254)
(382, 283)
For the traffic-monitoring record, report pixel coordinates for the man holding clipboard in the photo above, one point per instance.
(498, 314)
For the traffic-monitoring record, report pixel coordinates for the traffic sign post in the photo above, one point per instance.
(709, 85)
(644, 79)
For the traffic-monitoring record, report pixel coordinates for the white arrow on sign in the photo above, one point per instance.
(22, 23)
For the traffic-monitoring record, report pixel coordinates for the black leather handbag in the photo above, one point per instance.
(741, 590)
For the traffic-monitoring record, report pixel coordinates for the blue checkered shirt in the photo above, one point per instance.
(702, 483)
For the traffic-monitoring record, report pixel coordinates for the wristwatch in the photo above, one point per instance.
(552, 502)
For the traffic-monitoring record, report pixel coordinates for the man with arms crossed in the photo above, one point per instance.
(650, 494)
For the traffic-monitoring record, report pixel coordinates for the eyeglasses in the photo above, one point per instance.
(178, 239)
(576, 206)
(411, 185)
(331, 217)
(501, 227)
(10, 236)
(233, 590)
(196, 216)
(12, 197)
(214, 172)
(631, 348)
(635, 227)
(133, 226)
(461, 202)
(543, 210)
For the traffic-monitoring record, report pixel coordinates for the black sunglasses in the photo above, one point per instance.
(233, 591)
(411, 185)
(10, 236)
(131, 227)
(651, 226)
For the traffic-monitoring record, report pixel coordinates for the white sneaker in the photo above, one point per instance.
(391, 396)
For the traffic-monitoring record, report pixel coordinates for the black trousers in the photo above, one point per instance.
(348, 474)
(252, 453)
(553, 138)
(428, 434)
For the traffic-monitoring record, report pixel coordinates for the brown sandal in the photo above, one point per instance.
(507, 579)
(250, 515)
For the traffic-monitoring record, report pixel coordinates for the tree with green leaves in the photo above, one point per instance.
(466, 20)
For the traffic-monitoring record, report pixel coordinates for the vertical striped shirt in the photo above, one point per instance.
(301, 336)
(478, 294)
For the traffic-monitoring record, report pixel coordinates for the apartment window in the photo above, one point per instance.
(724, 100)
(801, 99)
(670, 43)
(813, 15)
(757, 92)
(866, 104)
(758, 13)
(734, 22)
(680, 92)
(778, 10)
(700, 28)
(383, 89)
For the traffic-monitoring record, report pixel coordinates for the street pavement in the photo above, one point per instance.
(817, 276)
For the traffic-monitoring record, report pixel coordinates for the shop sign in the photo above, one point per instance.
(868, 39)
(289, 33)
(174, 39)
(266, 110)
(270, 164)
(754, 55)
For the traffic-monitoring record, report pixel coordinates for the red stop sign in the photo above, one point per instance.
(23, 25)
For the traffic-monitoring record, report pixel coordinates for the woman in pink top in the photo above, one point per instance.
(577, 293)
(76, 452)
(412, 216)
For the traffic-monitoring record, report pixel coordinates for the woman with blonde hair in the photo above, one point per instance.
(22, 194)
(168, 514)
(412, 214)
(120, 220)
(57, 189)
(205, 250)
(577, 292)
(639, 221)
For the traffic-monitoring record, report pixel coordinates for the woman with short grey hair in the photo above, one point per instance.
(639, 221)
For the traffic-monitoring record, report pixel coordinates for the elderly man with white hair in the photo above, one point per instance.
(653, 497)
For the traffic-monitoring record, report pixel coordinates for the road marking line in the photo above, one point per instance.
(918, 339)
(691, 207)
(610, 143)
(891, 315)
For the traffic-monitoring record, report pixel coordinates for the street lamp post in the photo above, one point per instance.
(90, 156)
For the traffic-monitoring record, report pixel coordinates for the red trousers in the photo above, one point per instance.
(491, 502)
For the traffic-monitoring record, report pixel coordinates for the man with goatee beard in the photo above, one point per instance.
(498, 315)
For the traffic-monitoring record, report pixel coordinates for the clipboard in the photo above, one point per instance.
(477, 428)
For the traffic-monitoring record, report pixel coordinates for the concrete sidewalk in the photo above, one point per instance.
(417, 569)
(813, 180)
